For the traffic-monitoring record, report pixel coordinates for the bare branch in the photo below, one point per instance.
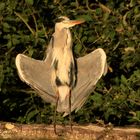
(42, 131)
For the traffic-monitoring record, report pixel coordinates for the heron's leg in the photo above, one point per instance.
(70, 118)
(54, 118)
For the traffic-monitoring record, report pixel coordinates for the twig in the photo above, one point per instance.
(28, 26)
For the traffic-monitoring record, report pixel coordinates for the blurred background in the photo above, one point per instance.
(26, 27)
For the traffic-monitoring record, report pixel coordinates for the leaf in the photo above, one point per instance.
(138, 114)
(98, 11)
(1, 76)
(109, 111)
(2, 6)
(30, 51)
(30, 2)
(84, 39)
(85, 17)
(123, 80)
(97, 98)
(132, 3)
(6, 26)
(77, 48)
(31, 114)
(105, 8)
(112, 34)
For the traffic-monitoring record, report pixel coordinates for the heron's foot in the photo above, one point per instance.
(58, 133)
(71, 128)
(55, 128)
(65, 129)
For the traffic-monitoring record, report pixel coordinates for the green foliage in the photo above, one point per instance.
(26, 27)
(30, 2)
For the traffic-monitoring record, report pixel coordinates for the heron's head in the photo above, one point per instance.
(65, 22)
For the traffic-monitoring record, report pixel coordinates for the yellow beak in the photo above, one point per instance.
(71, 23)
(75, 22)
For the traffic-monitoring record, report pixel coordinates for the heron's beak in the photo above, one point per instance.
(75, 22)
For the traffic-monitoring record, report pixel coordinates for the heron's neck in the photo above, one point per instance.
(69, 38)
(65, 36)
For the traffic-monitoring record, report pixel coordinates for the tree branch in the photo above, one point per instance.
(89, 132)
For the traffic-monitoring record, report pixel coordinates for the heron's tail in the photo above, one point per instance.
(63, 92)
(63, 104)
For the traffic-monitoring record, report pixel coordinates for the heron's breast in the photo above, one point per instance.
(64, 71)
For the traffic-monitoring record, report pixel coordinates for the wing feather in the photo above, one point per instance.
(37, 74)
(90, 69)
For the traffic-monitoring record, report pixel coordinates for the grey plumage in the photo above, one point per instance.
(37, 74)
(63, 64)
(57, 71)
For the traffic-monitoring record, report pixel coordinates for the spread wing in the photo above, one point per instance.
(90, 69)
(37, 74)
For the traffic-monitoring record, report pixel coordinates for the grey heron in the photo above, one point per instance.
(54, 78)
(63, 65)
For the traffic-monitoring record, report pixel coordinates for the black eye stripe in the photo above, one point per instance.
(61, 19)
